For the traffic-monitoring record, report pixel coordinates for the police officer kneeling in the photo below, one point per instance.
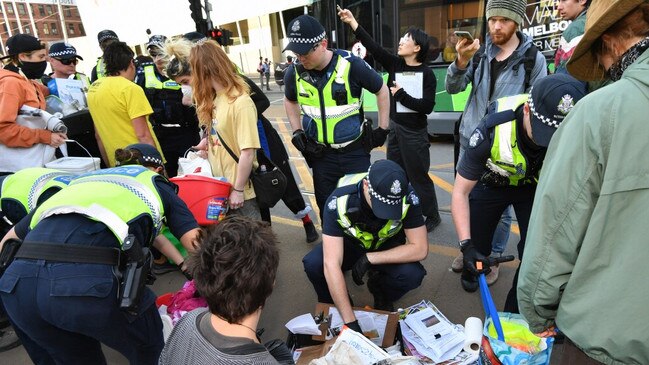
(78, 279)
(366, 222)
(501, 167)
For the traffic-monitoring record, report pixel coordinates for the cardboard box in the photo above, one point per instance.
(390, 328)
(306, 354)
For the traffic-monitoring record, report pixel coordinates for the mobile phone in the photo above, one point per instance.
(464, 34)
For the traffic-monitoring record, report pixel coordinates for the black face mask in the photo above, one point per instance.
(33, 70)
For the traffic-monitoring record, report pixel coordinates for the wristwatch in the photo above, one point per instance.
(464, 244)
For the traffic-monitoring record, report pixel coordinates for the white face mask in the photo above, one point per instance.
(187, 90)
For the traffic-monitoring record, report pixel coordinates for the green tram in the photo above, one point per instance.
(387, 21)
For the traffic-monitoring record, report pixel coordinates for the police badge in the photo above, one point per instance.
(396, 187)
(566, 104)
(332, 203)
(296, 26)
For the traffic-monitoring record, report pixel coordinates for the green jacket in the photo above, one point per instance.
(587, 243)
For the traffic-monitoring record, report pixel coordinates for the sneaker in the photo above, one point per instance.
(164, 267)
(492, 276)
(381, 302)
(311, 233)
(432, 223)
(458, 263)
(8, 339)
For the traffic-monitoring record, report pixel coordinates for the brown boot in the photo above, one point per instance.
(493, 275)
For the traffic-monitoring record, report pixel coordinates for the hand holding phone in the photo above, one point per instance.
(464, 34)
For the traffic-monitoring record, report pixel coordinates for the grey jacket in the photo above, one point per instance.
(510, 82)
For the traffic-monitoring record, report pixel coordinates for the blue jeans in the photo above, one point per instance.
(396, 279)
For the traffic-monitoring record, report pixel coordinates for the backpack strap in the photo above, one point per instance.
(529, 60)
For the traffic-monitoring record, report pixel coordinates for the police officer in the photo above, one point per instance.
(365, 225)
(21, 193)
(105, 37)
(501, 168)
(323, 104)
(68, 288)
(63, 60)
(174, 124)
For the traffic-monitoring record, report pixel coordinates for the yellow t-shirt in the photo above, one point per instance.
(236, 122)
(114, 102)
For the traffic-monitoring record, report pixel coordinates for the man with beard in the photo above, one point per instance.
(508, 64)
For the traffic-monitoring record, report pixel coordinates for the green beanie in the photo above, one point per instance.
(512, 9)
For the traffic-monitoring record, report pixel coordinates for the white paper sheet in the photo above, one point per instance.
(413, 84)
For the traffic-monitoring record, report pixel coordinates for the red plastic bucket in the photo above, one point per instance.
(164, 299)
(205, 197)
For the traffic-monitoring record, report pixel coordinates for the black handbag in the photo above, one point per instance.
(268, 181)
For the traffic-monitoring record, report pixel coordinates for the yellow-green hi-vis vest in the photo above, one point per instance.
(506, 157)
(127, 193)
(152, 82)
(367, 240)
(27, 185)
(320, 106)
(101, 68)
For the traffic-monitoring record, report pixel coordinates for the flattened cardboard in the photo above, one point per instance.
(390, 328)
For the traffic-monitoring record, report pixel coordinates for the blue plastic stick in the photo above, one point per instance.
(490, 307)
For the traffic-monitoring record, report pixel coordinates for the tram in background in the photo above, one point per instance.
(387, 21)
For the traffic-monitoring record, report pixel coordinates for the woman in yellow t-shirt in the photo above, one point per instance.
(224, 107)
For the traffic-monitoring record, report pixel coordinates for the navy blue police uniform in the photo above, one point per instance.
(68, 309)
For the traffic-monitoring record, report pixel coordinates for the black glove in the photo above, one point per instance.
(471, 256)
(299, 140)
(354, 326)
(379, 135)
(360, 269)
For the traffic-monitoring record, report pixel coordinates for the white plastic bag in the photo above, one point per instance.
(194, 164)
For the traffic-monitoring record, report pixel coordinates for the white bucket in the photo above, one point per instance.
(77, 165)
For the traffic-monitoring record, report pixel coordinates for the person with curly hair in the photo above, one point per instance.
(234, 268)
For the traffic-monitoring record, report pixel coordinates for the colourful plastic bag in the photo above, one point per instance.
(507, 339)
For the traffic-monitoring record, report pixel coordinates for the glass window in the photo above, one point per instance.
(70, 28)
(67, 11)
(41, 10)
(27, 29)
(82, 32)
(46, 28)
(49, 10)
(10, 8)
(14, 26)
(21, 9)
(55, 28)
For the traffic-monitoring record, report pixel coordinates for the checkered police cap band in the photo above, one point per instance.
(67, 52)
(313, 40)
(152, 160)
(545, 120)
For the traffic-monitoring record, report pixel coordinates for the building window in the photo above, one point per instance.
(41, 10)
(14, 26)
(10, 8)
(70, 28)
(67, 12)
(21, 9)
(55, 28)
(49, 10)
(46, 28)
(27, 29)
(82, 32)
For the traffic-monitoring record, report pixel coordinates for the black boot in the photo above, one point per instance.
(311, 233)
(381, 301)
(469, 281)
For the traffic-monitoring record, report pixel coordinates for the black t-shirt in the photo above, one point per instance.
(364, 217)
(361, 76)
(496, 68)
(395, 64)
(473, 163)
(75, 228)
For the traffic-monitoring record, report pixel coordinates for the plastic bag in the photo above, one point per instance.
(194, 164)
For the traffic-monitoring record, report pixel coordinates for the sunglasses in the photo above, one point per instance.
(315, 46)
(70, 61)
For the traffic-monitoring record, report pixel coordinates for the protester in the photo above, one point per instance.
(234, 269)
(118, 106)
(372, 225)
(260, 69)
(508, 64)
(105, 38)
(581, 273)
(25, 140)
(224, 107)
(322, 98)
(501, 166)
(175, 125)
(68, 260)
(178, 69)
(408, 139)
(266, 68)
(575, 12)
